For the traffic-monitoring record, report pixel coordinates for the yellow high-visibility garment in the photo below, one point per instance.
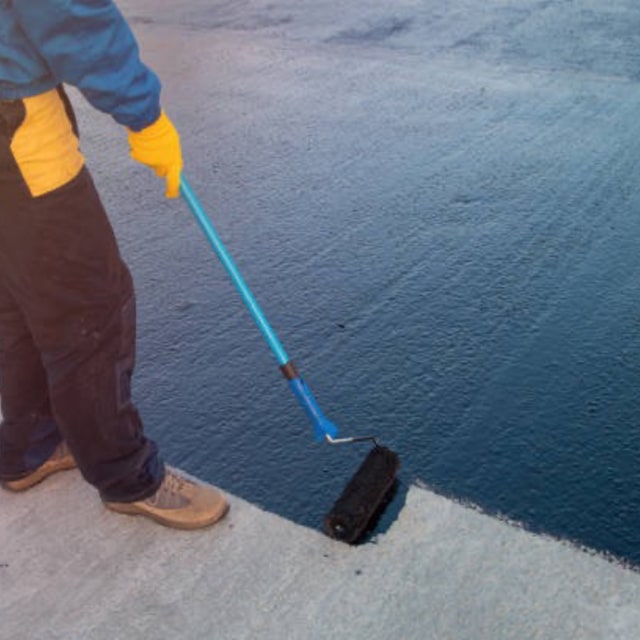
(45, 145)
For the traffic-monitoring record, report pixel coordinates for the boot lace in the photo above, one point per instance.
(170, 494)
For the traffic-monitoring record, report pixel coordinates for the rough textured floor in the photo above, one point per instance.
(71, 570)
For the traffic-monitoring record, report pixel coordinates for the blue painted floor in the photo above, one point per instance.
(437, 205)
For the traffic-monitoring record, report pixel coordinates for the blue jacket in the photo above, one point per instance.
(84, 43)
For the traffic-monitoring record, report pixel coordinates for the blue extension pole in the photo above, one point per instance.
(322, 426)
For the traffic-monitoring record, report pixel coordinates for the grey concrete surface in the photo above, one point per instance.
(69, 569)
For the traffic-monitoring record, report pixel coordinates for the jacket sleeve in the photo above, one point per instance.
(88, 44)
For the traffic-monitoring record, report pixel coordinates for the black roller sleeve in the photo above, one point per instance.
(360, 500)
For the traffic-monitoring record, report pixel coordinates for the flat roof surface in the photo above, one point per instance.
(71, 569)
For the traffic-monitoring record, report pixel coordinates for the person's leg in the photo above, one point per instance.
(28, 433)
(80, 305)
(82, 312)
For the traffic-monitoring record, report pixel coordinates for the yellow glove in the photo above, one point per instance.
(158, 146)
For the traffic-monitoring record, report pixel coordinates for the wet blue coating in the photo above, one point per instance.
(438, 207)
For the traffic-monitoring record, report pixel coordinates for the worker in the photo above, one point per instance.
(67, 302)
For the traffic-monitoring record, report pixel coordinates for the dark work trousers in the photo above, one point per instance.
(67, 334)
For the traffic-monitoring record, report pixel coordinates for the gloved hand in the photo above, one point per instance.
(158, 146)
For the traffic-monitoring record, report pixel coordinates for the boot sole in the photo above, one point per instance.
(40, 474)
(134, 509)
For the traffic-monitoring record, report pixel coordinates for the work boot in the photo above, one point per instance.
(60, 460)
(179, 503)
